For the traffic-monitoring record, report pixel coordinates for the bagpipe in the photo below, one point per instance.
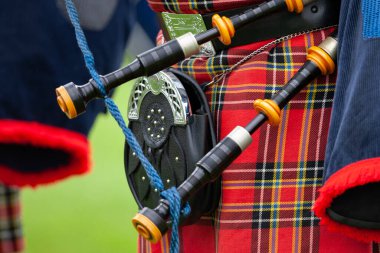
(171, 120)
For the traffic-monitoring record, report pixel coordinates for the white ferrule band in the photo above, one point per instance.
(241, 137)
(188, 44)
(330, 46)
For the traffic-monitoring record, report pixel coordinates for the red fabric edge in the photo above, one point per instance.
(352, 175)
(32, 133)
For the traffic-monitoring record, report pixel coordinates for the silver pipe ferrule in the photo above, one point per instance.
(330, 46)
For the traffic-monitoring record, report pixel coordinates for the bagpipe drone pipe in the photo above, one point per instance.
(152, 223)
(167, 109)
(73, 98)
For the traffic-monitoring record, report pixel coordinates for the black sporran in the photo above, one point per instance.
(170, 116)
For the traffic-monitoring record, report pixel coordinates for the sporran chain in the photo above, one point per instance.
(217, 78)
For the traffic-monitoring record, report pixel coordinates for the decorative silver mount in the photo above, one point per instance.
(161, 83)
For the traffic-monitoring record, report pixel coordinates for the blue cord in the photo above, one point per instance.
(174, 199)
(112, 107)
(171, 194)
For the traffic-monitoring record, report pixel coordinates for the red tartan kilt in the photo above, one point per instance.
(11, 237)
(269, 191)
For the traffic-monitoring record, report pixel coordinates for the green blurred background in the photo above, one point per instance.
(90, 213)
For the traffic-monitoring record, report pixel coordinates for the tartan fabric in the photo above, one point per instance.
(269, 191)
(11, 239)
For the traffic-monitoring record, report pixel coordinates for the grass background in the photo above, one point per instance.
(90, 213)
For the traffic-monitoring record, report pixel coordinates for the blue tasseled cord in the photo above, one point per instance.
(171, 194)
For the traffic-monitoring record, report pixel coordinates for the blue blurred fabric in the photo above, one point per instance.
(354, 133)
(38, 53)
(148, 20)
